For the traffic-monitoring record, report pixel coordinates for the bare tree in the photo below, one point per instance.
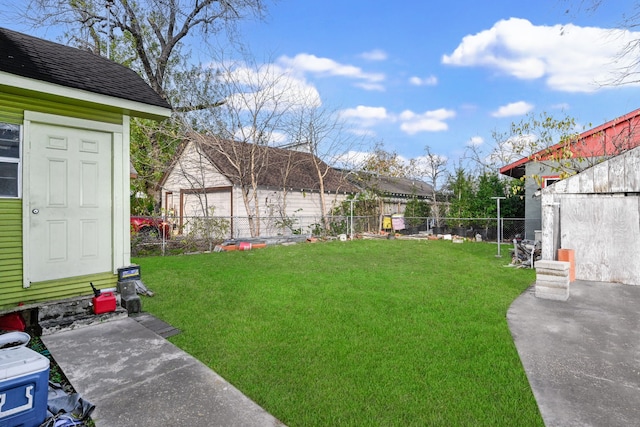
(628, 58)
(434, 167)
(257, 99)
(320, 131)
(153, 37)
(148, 35)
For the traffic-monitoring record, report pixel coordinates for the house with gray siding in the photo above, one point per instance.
(552, 164)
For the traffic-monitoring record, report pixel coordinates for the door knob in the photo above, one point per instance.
(35, 211)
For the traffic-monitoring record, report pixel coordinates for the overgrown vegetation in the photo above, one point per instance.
(385, 332)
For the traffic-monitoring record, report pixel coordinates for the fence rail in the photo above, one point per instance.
(168, 235)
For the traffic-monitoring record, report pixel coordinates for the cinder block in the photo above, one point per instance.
(550, 265)
(132, 304)
(552, 279)
(552, 285)
(557, 294)
(547, 272)
(127, 288)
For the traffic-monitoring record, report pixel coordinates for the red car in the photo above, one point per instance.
(151, 226)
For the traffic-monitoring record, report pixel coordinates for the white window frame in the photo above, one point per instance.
(15, 160)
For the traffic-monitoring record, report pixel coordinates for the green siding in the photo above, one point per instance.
(10, 247)
(13, 103)
(12, 106)
(55, 289)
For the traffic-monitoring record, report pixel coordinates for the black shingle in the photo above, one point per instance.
(50, 62)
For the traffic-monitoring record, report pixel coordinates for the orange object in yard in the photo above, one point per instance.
(568, 255)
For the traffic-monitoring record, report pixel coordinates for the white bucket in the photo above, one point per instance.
(14, 339)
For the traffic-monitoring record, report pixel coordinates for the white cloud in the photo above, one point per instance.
(365, 113)
(570, 58)
(475, 141)
(371, 86)
(363, 132)
(410, 122)
(268, 87)
(375, 55)
(519, 108)
(305, 63)
(351, 160)
(429, 121)
(426, 81)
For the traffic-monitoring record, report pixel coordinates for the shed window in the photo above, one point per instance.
(10, 165)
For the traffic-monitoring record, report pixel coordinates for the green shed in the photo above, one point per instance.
(64, 167)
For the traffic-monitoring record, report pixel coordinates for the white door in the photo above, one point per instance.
(70, 229)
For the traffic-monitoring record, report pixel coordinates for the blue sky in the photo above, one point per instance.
(417, 73)
(420, 73)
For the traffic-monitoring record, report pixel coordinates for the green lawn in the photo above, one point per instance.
(386, 332)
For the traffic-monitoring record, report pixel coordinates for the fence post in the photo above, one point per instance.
(498, 226)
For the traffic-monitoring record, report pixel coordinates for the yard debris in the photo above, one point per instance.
(142, 289)
(525, 253)
(66, 409)
(232, 245)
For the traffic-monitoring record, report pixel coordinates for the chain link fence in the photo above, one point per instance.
(167, 236)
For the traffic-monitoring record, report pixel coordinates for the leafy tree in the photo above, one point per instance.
(489, 185)
(366, 204)
(387, 163)
(460, 187)
(513, 206)
(416, 211)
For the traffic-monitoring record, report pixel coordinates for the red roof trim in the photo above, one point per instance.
(506, 170)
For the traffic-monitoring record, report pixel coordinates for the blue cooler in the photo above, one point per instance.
(24, 384)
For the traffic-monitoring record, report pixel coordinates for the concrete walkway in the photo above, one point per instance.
(137, 378)
(582, 356)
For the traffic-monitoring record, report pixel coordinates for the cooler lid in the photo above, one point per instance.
(20, 361)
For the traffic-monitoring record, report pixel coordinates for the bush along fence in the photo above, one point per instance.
(197, 234)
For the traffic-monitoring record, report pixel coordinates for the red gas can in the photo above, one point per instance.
(104, 303)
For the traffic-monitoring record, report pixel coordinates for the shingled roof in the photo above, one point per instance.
(39, 59)
(392, 185)
(276, 167)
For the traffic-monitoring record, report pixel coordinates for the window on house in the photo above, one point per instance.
(550, 180)
(9, 160)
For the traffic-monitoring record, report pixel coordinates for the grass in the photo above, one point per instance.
(387, 332)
